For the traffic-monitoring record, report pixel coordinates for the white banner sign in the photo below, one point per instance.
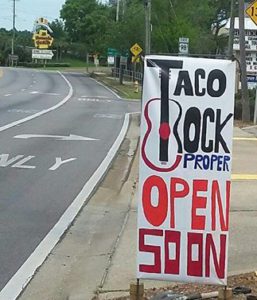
(185, 166)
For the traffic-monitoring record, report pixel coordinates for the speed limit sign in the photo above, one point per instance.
(183, 45)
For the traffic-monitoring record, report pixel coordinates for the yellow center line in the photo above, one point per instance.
(244, 177)
(245, 139)
(1, 73)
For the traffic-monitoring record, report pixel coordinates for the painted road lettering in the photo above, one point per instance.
(20, 162)
(60, 162)
(5, 161)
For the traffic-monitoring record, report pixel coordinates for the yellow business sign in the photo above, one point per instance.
(42, 39)
(251, 11)
(136, 49)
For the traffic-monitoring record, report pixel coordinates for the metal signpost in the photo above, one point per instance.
(251, 11)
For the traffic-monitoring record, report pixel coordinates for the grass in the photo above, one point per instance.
(125, 90)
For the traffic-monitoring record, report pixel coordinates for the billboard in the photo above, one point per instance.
(185, 168)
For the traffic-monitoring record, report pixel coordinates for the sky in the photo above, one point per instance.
(27, 11)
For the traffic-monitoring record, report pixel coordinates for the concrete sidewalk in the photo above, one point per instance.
(97, 257)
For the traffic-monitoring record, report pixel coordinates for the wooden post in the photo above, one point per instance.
(225, 294)
(136, 291)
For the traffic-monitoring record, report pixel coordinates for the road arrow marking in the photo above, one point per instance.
(71, 137)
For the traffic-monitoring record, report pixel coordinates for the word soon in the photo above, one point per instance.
(198, 264)
(21, 162)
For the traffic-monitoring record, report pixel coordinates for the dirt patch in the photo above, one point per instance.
(248, 280)
(241, 124)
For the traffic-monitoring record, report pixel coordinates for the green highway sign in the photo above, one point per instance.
(115, 52)
(112, 52)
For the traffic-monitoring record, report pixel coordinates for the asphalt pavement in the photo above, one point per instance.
(55, 134)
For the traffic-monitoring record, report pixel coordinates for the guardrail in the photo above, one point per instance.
(128, 74)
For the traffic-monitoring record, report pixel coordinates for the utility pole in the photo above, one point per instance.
(13, 29)
(124, 3)
(148, 8)
(231, 30)
(117, 10)
(244, 87)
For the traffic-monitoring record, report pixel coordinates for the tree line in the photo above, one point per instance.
(92, 27)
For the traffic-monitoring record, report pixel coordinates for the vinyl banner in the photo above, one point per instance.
(185, 166)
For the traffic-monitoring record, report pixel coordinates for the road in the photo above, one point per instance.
(55, 132)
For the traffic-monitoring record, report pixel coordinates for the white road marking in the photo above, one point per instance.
(60, 162)
(5, 161)
(104, 97)
(71, 137)
(108, 116)
(23, 276)
(106, 87)
(95, 100)
(39, 93)
(19, 161)
(254, 139)
(20, 164)
(23, 111)
(23, 90)
(42, 112)
(7, 95)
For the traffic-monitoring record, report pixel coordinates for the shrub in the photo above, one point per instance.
(41, 65)
(238, 105)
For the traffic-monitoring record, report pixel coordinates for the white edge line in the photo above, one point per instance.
(106, 87)
(23, 276)
(42, 112)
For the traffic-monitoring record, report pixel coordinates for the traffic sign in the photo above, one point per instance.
(42, 54)
(112, 52)
(251, 11)
(136, 49)
(13, 57)
(135, 59)
(183, 45)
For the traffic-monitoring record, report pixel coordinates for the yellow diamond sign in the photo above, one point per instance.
(251, 11)
(136, 49)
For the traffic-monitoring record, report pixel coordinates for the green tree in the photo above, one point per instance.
(86, 22)
(130, 28)
(61, 43)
